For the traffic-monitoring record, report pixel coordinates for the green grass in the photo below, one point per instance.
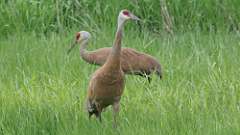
(42, 90)
(57, 15)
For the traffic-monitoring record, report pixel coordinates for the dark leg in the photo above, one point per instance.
(89, 115)
(116, 107)
(149, 79)
(98, 113)
(98, 116)
(159, 74)
(146, 76)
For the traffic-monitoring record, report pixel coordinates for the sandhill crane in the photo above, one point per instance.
(107, 83)
(132, 61)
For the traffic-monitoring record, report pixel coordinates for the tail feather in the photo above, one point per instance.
(92, 109)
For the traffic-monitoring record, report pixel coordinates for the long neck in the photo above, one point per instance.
(116, 49)
(114, 57)
(84, 53)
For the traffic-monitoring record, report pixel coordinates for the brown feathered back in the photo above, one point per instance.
(132, 61)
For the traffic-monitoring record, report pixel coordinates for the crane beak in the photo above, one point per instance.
(134, 17)
(71, 47)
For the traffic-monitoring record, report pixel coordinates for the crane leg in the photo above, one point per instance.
(149, 79)
(116, 107)
(146, 76)
(89, 116)
(98, 113)
(159, 73)
(99, 117)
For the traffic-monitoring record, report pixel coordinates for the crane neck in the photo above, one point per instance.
(121, 22)
(113, 61)
(83, 52)
(116, 49)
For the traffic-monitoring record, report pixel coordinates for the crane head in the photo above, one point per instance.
(80, 36)
(126, 15)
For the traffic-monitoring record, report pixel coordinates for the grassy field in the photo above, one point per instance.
(57, 15)
(43, 90)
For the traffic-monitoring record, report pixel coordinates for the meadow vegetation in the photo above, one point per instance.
(43, 90)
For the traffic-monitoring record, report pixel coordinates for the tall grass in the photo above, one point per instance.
(56, 15)
(42, 90)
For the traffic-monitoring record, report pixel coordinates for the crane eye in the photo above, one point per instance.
(125, 12)
(77, 36)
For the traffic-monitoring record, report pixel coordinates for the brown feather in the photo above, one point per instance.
(132, 61)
